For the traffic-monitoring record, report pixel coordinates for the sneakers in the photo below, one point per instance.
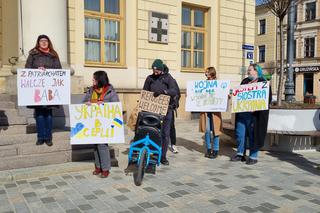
(173, 148)
(251, 161)
(237, 158)
(96, 171)
(105, 174)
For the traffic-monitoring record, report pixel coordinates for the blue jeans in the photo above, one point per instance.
(244, 127)
(44, 123)
(209, 129)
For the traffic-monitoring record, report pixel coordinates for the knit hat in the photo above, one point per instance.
(41, 37)
(157, 65)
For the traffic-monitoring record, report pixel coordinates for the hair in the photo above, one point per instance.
(50, 46)
(212, 72)
(258, 69)
(102, 78)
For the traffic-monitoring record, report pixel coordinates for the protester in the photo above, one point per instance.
(174, 106)
(162, 83)
(251, 124)
(43, 56)
(101, 92)
(211, 123)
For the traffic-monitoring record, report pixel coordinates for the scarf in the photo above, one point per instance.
(98, 94)
(45, 50)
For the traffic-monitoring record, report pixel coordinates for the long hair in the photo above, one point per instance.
(102, 78)
(50, 46)
(212, 72)
(258, 68)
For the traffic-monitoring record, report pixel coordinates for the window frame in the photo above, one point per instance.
(306, 15)
(102, 16)
(265, 27)
(193, 29)
(305, 47)
(264, 55)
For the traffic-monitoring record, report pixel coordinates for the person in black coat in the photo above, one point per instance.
(43, 56)
(161, 82)
(251, 124)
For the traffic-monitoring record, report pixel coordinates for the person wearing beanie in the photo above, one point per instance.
(160, 82)
(43, 56)
(246, 120)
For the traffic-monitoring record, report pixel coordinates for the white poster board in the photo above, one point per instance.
(43, 87)
(96, 124)
(207, 96)
(250, 97)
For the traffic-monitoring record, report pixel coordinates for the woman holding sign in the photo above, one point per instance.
(101, 92)
(43, 56)
(211, 122)
(251, 124)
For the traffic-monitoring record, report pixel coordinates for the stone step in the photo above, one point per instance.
(24, 161)
(5, 97)
(16, 129)
(7, 105)
(7, 113)
(12, 120)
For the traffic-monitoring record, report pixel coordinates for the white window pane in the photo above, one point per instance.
(92, 5)
(112, 52)
(111, 6)
(198, 41)
(112, 30)
(92, 28)
(92, 51)
(186, 40)
(185, 58)
(198, 59)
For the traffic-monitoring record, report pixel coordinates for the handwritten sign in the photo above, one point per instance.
(96, 124)
(43, 87)
(149, 103)
(207, 96)
(250, 97)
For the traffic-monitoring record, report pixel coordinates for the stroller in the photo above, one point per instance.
(145, 150)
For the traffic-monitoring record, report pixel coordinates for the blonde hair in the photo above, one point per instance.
(211, 71)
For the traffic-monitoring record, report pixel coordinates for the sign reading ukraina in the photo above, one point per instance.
(96, 124)
(250, 97)
(43, 87)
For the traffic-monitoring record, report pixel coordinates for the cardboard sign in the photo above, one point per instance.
(96, 124)
(149, 103)
(43, 87)
(250, 97)
(207, 96)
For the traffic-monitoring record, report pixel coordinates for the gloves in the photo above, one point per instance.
(156, 94)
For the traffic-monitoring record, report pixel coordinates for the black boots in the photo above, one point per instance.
(212, 154)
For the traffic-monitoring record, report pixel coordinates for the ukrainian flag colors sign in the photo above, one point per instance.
(96, 124)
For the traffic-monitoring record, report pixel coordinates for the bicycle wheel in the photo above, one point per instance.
(138, 175)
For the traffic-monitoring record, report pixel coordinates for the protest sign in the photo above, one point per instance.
(96, 124)
(250, 97)
(149, 103)
(43, 87)
(207, 96)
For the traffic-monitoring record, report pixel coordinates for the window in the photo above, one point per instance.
(262, 26)
(104, 32)
(193, 37)
(309, 47)
(310, 11)
(308, 84)
(262, 53)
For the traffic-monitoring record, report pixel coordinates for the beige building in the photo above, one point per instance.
(123, 37)
(306, 46)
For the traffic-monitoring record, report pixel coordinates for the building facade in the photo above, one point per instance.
(123, 37)
(306, 46)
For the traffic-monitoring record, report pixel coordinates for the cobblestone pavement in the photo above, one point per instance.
(280, 182)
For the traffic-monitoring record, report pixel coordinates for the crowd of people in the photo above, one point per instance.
(251, 125)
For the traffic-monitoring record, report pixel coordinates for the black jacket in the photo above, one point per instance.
(38, 59)
(164, 84)
(260, 120)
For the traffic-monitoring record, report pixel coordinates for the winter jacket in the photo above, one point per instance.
(38, 59)
(111, 95)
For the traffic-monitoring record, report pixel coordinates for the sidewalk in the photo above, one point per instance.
(280, 182)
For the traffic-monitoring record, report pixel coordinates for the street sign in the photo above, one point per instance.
(247, 47)
(249, 55)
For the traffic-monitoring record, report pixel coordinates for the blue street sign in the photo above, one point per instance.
(247, 47)
(249, 55)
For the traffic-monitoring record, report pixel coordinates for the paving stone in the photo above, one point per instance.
(79, 177)
(264, 209)
(269, 205)
(182, 192)
(48, 200)
(121, 198)
(123, 190)
(174, 195)
(126, 211)
(49, 187)
(247, 209)
(29, 194)
(85, 207)
(99, 192)
(44, 179)
(2, 192)
(67, 177)
(301, 192)
(176, 183)
(90, 197)
(276, 188)
(73, 211)
(20, 182)
(10, 185)
(315, 201)
(146, 205)
(223, 212)
(61, 183)
(150, 189)
(215, 179)
(289, 197)
(217, 202)
(247, 192)
(160, 204)
(35, 182)
(251, 188)
(220, 186)
(117, 178)
(136, 209)
(192, 184)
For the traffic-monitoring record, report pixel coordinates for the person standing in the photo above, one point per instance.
(43, 56)
(211, 123)
(251, 124)
(101, 92)
(159, 83)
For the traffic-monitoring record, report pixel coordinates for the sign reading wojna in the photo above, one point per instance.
(250, 97)
(96, 124)
(43, 87)
(207, 96)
